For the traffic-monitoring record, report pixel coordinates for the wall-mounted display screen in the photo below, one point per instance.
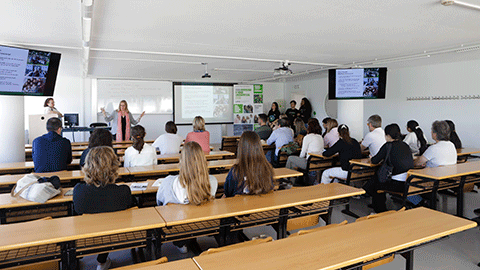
(27, 72)
(357, 83)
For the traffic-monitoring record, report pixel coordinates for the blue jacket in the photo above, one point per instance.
(51, 153)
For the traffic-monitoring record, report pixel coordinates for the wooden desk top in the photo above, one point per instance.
(467, 151)
(279, 173)
(364, 162)
(175, 214)
(57, 230)
(185, 264)
(174, 167)
(7, 201)
(26, 166)
(450, 171)
(319, 155)
(342, 246)
(211, 155)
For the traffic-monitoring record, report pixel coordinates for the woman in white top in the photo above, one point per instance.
(50, 108)
(312, 142)
(331, 133)
(441, 153)
(417, 146)
(140, 153)
(170, 142)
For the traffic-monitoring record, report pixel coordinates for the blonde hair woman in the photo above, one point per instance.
(199, 134)
(331, 133)
(99, 193)
(193, 185)
(122, 120)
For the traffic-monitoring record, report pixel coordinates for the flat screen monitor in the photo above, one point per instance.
(27, 72)
(70, 119)
(212, 101)
(357, 83)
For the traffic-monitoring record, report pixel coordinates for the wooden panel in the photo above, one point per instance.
(342, 246)
(185, 264)
(279, 174)
(240, 205)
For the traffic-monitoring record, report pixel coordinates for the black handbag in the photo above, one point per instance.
(385, 171)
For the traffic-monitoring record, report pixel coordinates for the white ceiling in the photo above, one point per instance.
(315, 31)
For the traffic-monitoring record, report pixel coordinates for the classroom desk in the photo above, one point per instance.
(170, 158)
(279, 173)
(338, 247)
(443, 177)
(235, 213)
(66, 233)
(28, 166)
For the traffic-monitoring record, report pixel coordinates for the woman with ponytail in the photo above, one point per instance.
(415, 138)
(140, 153)
(347, 148)
(453, 135)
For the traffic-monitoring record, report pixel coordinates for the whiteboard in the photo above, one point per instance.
(153, 97)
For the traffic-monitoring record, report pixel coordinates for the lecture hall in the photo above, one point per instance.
(239, 134)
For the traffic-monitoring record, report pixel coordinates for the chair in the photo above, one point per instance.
(302, 232)
(98, 124)
(144, 264)
(379, 214)
(239, 245)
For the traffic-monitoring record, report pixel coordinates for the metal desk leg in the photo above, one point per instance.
(460, 196)
(282, 224)
(408, 259)
(433, 200)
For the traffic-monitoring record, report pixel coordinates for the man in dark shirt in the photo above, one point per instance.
(264, 130)
(51, 152)
(292, 112)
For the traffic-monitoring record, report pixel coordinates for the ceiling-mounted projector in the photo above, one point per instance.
(283, 69)
(206, 75)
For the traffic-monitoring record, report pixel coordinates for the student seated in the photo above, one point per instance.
(170, 142)
(299, 127)
(453, 135)
(51, 152)
(400, 158)
(193, 184)
(99, 137)
(324, 124)
(312, 142)
(376, 137)
(252, 173)
(415, 138)
(280, 136)
(199, 134)
(441, 153)
(347, 149)
(331, 133)
(99, 193)
(140, 153)
(264, 131)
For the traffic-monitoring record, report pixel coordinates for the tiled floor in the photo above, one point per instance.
(459, 251)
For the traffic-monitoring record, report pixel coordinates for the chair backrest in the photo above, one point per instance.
(145, 264)
(98, 124)
(302, 232)
(380, 214)
(239, 245)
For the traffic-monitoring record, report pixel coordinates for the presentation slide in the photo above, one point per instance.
(356, 83)
(23, 71)
(211, 101)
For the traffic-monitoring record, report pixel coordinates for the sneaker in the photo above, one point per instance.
(104, 266)
(183, 249)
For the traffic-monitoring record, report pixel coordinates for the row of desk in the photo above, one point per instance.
(23, 167)
(16, 209)
(67, 238)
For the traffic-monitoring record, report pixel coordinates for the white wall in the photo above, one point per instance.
(155, 123)
(12, 144)
(448, 79)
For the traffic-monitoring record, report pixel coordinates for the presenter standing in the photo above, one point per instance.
(50, 108)
(122, 121)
